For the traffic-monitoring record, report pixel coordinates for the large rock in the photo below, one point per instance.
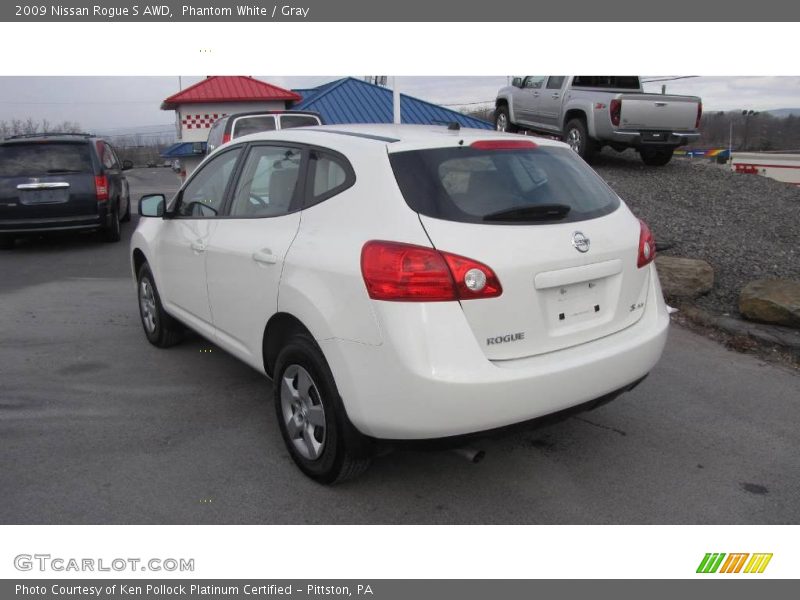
(771, 301)
(684, 277)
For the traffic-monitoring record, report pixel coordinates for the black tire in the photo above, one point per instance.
(344, 453)
(656, 158)
(577, 137)
(6, 242)
(165, 330)
(502, 120)
(127, 216)
(113, 231)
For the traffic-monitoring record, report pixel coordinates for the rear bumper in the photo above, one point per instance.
(433, 381)
(644, 139)
(65, 223)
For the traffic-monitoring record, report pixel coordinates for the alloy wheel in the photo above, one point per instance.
(303, 412)
(574, 140)
(147, 305)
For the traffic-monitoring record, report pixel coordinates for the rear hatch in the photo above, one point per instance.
(659, 112)
(46, 179)
(562, 244)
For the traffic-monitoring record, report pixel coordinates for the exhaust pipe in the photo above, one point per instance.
(471, 454)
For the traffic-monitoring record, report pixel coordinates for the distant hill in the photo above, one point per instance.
(784, 112)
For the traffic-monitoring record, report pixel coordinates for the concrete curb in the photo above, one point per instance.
(771, 336)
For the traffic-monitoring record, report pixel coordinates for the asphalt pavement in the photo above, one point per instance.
(98, 426)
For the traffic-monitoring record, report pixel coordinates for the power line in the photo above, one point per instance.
(71, 102)
(468, 103)
(670, 78)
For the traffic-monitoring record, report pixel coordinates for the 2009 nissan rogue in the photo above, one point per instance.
(404, 282)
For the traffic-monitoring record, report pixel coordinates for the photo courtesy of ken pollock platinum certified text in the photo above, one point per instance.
(193, 589)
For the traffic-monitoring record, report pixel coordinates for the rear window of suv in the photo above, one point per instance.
(44, 158)
(501, 186)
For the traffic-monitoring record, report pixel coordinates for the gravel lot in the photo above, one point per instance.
(745, 226)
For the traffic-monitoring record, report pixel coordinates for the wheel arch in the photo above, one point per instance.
(137, 260)
(576, 113)
(278, 329)
(502, 101)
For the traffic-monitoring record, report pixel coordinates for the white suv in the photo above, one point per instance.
(404, 282)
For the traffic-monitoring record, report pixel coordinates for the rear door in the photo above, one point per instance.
(549, 109)
(247, 249)
(47, 179)
(561, 243)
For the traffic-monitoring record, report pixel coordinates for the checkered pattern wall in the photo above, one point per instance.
(200, 121)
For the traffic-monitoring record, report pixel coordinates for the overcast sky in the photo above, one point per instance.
(122, 104)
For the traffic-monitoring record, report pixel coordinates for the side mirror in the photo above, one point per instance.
(152, 205)
(517, 82)
(126, 165)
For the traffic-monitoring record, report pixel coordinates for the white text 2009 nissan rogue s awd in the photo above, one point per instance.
(404, 282)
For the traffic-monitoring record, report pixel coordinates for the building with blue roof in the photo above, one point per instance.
(352, 100)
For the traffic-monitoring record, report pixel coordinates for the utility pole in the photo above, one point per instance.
(397, 119)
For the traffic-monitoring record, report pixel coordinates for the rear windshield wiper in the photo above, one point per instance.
(534, 212)
(63, 171)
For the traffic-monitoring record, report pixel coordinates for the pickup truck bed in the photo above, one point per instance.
(591, 112)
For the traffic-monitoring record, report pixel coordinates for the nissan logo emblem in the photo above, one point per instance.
(580, 242)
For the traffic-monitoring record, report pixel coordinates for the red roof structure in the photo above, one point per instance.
(229, 89)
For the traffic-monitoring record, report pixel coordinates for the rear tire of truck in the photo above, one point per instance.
(502, 120)
(577, 138)
(656, 158)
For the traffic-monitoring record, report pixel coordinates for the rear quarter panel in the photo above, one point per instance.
(322, 283)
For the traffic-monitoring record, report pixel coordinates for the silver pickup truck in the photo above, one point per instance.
(591, 111)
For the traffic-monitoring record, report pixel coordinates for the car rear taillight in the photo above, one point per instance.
(647, 245)
(101, 188)
(503, 145)
(615, 110)
(226, 138)
(699, 115)
(408, 273)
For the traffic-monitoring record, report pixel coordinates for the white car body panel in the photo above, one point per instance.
(244, 261)
(416, 370)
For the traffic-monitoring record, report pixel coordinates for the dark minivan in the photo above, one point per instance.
(234, 126)
(61, 182)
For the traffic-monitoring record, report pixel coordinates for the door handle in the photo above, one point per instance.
(265, 257)
(535, 94)
(556, 95)
(198, 246)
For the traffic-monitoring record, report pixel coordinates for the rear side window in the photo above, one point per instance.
(106, 155)
(616, 82)
(289, 121)
(519, 186)
(268, 182)
(42, 158)
(247, 125)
